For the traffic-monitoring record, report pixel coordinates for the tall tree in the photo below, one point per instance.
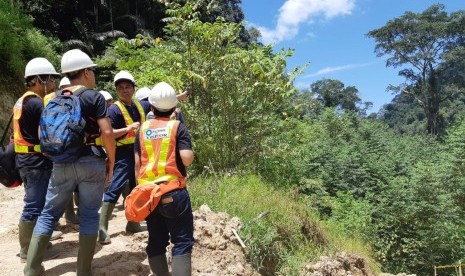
(418, 42)
(333, 93)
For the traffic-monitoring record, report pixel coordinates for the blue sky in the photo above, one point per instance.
(330, 35)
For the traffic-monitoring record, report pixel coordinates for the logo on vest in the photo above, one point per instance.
(156, 133)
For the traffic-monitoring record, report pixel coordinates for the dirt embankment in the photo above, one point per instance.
(216, 251)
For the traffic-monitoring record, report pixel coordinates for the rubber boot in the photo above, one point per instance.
(25, 229)
(56, 234)
(105, 214)
(25, 233)
(70, 216)
(35, 255)
(159, 265)
(181, 265)
(85, 254)
(133, 227)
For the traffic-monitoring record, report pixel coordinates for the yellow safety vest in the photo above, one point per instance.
(130, 137)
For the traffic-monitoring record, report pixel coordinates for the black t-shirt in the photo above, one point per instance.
(93, 107)
(29, 127)
(183, 142)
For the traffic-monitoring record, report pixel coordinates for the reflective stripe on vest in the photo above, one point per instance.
(158, 151)
(21, 145)
(130, 137)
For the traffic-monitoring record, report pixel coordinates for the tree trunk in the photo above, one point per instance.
(432, 106)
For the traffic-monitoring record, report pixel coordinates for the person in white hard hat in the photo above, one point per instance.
(94, 165)
(34, 168)
(126, 115)
(142, 95)
(64, 82)
(172, 219)
(108, 97)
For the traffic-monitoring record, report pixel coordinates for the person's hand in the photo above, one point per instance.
(109, 170)
(183, 96)
(134, 126)
(175, 113)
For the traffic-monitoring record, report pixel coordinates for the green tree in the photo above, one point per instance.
(238, 93)
(334, 94)
(419, 41)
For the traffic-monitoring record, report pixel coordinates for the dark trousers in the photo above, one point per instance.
(175, 220)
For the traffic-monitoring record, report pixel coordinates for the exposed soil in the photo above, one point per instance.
(216, 251)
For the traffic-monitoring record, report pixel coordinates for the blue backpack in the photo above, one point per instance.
(62, 136)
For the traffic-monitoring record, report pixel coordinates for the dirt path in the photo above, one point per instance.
(216, 251)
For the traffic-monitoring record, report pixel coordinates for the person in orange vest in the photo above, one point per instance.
(142, 94)
(126, 115)
(93, 166)
(163, 150)
(34, 168)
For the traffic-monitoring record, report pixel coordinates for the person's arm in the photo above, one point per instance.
(184, 144)
(187, 157)
(183, 96)
(106, 132)
(136, 165)
(123, 131)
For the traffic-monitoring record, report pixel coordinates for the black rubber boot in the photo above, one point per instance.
(159, 265)
(181, 265)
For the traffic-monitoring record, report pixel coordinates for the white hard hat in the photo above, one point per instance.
(142, 93)
(39, 66)
(75, 60)
(64, 82)
(106, 95)
(124, 75)
(163, 97)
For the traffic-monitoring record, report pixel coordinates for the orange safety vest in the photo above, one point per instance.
(158, 151)
(130, 137)
(21, 145)
(159, 173)
(97, 140)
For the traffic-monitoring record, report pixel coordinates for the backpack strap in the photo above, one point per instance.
(78, 92)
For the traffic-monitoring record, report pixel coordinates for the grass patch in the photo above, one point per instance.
(284, 239)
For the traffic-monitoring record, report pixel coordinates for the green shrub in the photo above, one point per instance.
(282, 241)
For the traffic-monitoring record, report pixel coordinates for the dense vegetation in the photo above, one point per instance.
(390, 186)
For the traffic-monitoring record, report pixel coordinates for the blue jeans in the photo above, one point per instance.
(88, 174)
(123, 173)
(35, 182)
(173, 220)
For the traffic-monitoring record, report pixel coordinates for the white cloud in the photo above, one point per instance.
(329, 70)
(295, 12)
